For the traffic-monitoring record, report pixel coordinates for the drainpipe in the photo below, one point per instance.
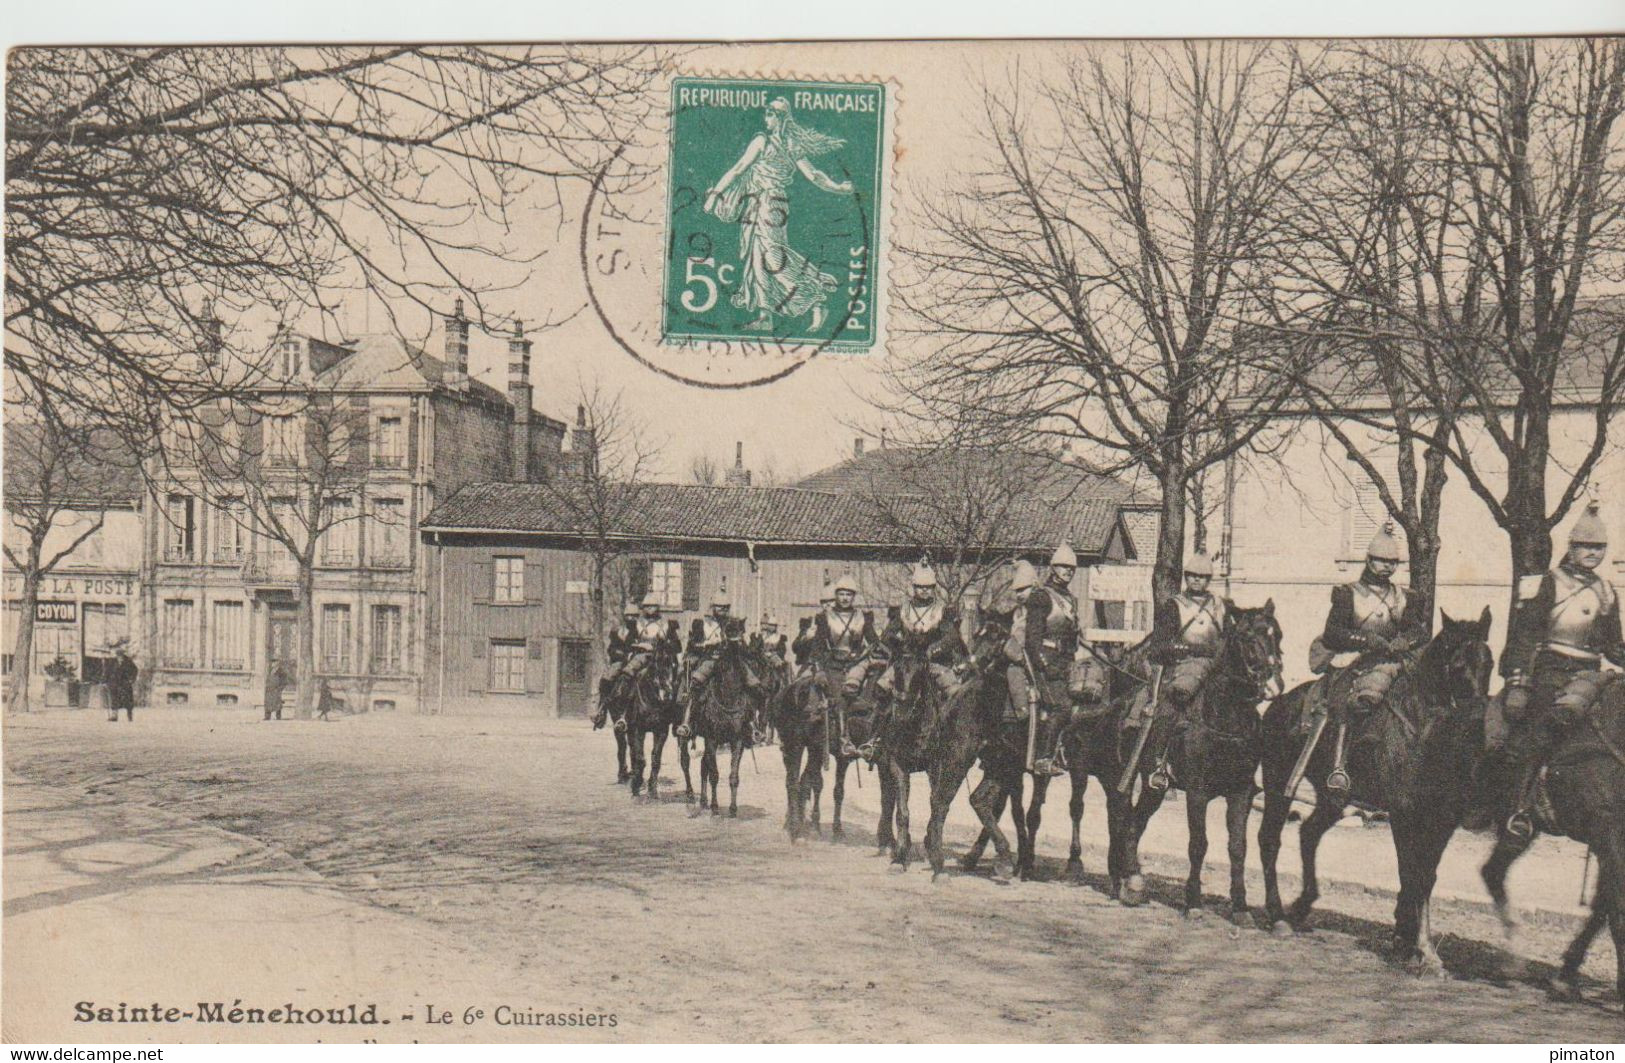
(756, 578)
(440, 694)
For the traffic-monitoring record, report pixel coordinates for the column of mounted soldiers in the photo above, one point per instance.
(1565, 624)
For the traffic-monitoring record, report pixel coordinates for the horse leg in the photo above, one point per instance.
(1029, 837)
(790, 754)
(1237, 808)
(634, 745)
(1074, 856)
(736, 750)
(835, 830)
(1310, 832)
(1195, 849)
(905, 841)
(1494, 873)
(1119, 816)
(885, 836)
(812, 783)
(1134, 879)
(622, 772)
(657, 742)
(1276, 808)
(684, 760)
(946, 776)
(987, 801)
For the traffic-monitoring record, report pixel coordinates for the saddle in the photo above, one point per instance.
(1332, 688)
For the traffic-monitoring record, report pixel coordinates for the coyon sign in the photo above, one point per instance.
(55, 612)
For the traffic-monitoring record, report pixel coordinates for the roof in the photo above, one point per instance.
(385, 361)
(761, 515)
(105, 472)
(889, 471)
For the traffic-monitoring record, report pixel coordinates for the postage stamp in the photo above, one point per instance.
(773, 213)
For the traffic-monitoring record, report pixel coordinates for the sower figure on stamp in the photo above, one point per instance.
(1185, 635)
(708, 636)
(1371, 623)
(1049, 638)
(619, 641)
(921, 629)
(1565, 624)
(775, 278)
(842, 646)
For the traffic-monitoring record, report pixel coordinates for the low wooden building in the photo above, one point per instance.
(513, 624)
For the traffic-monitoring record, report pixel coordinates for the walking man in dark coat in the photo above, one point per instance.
(121, 680)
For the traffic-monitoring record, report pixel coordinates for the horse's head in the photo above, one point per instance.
(1253, 646)
(1457, 662)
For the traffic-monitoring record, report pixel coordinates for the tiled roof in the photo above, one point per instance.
(383, 360)
(889, 471)
(764, 515)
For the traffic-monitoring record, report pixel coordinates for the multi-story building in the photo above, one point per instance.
(222, 595)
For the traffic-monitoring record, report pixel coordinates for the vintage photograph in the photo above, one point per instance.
(625, 542)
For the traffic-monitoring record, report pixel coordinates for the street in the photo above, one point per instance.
(490, 870)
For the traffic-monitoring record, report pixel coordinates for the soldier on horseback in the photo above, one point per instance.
(708, 637)
(1565, 623)
(620, 638)
(1049, 641)
(1185, 636)
(843, 643)
(1372, 622)
(924, 628)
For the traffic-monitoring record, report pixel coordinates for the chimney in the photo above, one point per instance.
(882, 439)
(213, 332)
(738, 476)
(584, 441)
(857, 447)
(457, 349)
(519, 397)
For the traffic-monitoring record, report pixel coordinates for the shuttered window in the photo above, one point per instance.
(691, 585)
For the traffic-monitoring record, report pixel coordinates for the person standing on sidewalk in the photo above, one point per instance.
(121, 680)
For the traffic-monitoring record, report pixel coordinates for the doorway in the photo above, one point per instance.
(575, 662)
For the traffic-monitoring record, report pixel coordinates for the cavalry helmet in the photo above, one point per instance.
(1023, 576)
(1589, 530)
(630, 607)
(847, 583)
(721, 597)
(924, 576)
(1384, 546)
(652, 599)
(1199, 565)
(1064, 556)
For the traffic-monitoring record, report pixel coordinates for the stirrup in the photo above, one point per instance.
(848, 750)
(1520, 825)
(869, 751)
(620, 726)
(1161, 779)
(1338, 782)
(683, 731)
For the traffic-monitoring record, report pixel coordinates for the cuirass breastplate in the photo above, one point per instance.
(1578, 606)
(1377, 610)
(1200, 621)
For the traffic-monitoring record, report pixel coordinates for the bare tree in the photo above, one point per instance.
(1100, 280)
(704, 469)
(604, 493)
(58, 480)
(1472, 296)
(143, 181)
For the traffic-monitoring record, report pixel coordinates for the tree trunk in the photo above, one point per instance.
(1166, 572)
(23, 652)
(304, 665)
(1529, 537)
(1424, 543)
(1198, 491)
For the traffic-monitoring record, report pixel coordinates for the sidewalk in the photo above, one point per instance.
(1351, 855)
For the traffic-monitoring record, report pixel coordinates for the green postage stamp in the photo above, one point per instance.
(773, 213)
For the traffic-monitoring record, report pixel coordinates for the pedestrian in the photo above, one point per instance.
(121, 680)
(276, 683)
(325, 701)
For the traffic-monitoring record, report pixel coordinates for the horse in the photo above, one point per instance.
(1585, 792)
(1217, 752)
(904, 733)
(722, 712)
(1416, 759)
(805, 718)
(640, 705)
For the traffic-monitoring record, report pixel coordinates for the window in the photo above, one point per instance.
(386, 640)
(105, 624)
(335, 638)
(508, 665)
(292, 360)
(231, 530)
(339, 537)
(388, 531)
(282, 441)
(179, 633)
(666, 580)
(1109, 614)
(181, 443)
(389, 443)
(1364, 518)
(509, 583)
(56, 640)
(180, 542)
(8, 634)
(1142, 616)
(229, 636)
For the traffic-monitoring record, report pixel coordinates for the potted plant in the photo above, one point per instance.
(60, 684)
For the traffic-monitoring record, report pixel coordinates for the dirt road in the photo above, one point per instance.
(482, 865)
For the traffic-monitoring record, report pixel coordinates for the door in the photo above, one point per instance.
(575, 660)
(281, 649)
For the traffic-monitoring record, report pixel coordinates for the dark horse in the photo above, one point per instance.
(1415, 758)
(905, 733)
(803, 716)
(723, 708)
(637, 701)
(1585, 791)
(1216, 754)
